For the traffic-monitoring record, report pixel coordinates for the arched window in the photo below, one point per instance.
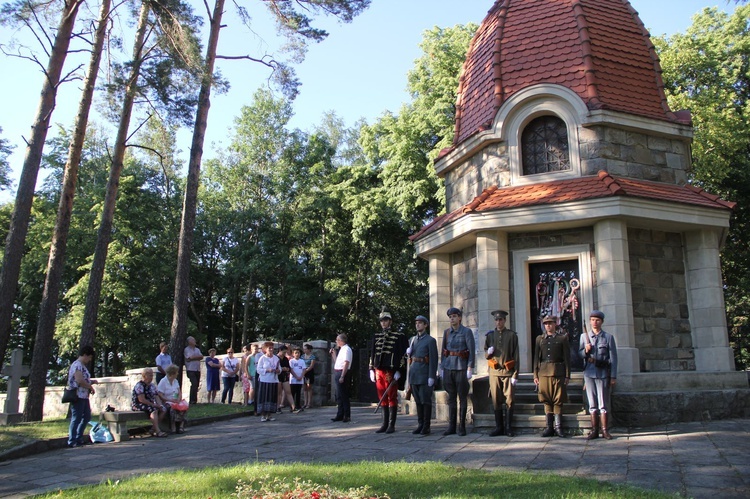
(544, 146)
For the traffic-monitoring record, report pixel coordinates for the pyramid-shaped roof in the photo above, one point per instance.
(597, 48)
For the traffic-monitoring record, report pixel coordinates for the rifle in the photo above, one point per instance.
(384, 394)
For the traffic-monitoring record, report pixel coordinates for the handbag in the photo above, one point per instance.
(69, 395)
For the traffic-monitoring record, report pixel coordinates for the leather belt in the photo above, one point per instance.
(464, 354)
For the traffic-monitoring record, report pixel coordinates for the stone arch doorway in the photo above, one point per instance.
(555, 289)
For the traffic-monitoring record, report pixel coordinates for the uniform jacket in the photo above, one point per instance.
(552, 356)
(506, 349)
(604, 350)
(388, 352)
(421, 347)
(461, 340)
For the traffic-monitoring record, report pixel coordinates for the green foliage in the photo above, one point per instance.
(707, 70)
(5, 150)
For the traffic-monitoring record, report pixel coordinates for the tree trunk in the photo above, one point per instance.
(33, 409)
(88, 329)
(19, 223)
(246, 311)
(187, 226)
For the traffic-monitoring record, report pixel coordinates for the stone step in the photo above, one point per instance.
(573, 424)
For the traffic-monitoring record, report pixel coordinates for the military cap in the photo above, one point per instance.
(597, 313)
(422, 318)
(549, 318)
(454, 310)
(385, 315)
(499, 314)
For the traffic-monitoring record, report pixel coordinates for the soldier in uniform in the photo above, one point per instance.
(388, 363)
(423, 358)
(552, 374)
(599, 353)
(501, 349)
(457, 364)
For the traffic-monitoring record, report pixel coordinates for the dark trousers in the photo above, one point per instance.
(456, 384)
(228, 388)
(342, 396)
(195, 381)
(296, 392)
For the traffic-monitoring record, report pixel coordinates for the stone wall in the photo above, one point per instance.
(464, 284)
(660, 311)
(117, 390)
(486, 168)
(633, 154)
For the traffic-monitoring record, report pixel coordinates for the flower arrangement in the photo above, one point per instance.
(265, 488)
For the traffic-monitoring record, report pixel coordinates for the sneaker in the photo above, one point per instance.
(278, 411)
(272, 419)
(295, 411)
(263, 419)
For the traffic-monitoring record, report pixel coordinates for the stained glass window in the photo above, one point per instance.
(544, 146)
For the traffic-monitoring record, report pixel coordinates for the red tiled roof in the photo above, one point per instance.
(597, 48)
(578, 189)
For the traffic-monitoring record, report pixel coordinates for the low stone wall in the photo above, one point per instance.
(117, 390)
(655, 408)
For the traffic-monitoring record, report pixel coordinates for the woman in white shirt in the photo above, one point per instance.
(268, 371)
(170, 392)
(230, 366)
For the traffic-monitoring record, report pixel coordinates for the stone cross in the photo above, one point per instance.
(15, 370)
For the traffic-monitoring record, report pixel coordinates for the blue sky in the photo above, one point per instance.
(358, 71)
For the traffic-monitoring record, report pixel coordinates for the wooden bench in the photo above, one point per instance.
(118, 422)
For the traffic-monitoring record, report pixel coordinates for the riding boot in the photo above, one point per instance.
(594, 433)
(605, 426)
(392, 422)
(427, 415)
(385, 421)
(420, 420)
(509, 422)
(451, 421)
(499, 426)
(462, 422)
(558, 426)
(549, 431)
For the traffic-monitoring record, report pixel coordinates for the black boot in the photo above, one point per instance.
(499, 425)
(605, 426)
(392, 422)
(420, 420)
(451, 421)
(549, 431)
(384, 427)
(509, 422)
(558, 426)
(594, 433)
(462, 422)
(427, 415)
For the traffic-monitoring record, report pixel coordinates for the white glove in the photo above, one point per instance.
(397, 375)
(430, 381)
(468, 373)
(372, 376)
(408, 351)
(490, 350)
(513, 381)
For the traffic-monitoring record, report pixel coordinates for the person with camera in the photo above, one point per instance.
(599, 353)
(552, 374)
(501, 352)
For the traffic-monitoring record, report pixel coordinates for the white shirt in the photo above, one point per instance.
(267, 369)
(344, 355)
(170, 390)
(298, 368)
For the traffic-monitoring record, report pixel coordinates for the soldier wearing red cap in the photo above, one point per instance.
(599, 352)
(501, 349)
(552, 374)
(388, 363)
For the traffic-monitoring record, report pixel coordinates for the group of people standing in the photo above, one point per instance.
(391, 353)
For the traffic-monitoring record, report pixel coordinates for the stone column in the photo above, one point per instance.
(708, 323)
(440, 294)
(493, 283)
(614, 292)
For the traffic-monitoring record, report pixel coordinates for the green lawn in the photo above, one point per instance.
(12, 436)
(396, 480)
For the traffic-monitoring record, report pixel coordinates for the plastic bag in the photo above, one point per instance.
(100, 433)
(182, 405)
